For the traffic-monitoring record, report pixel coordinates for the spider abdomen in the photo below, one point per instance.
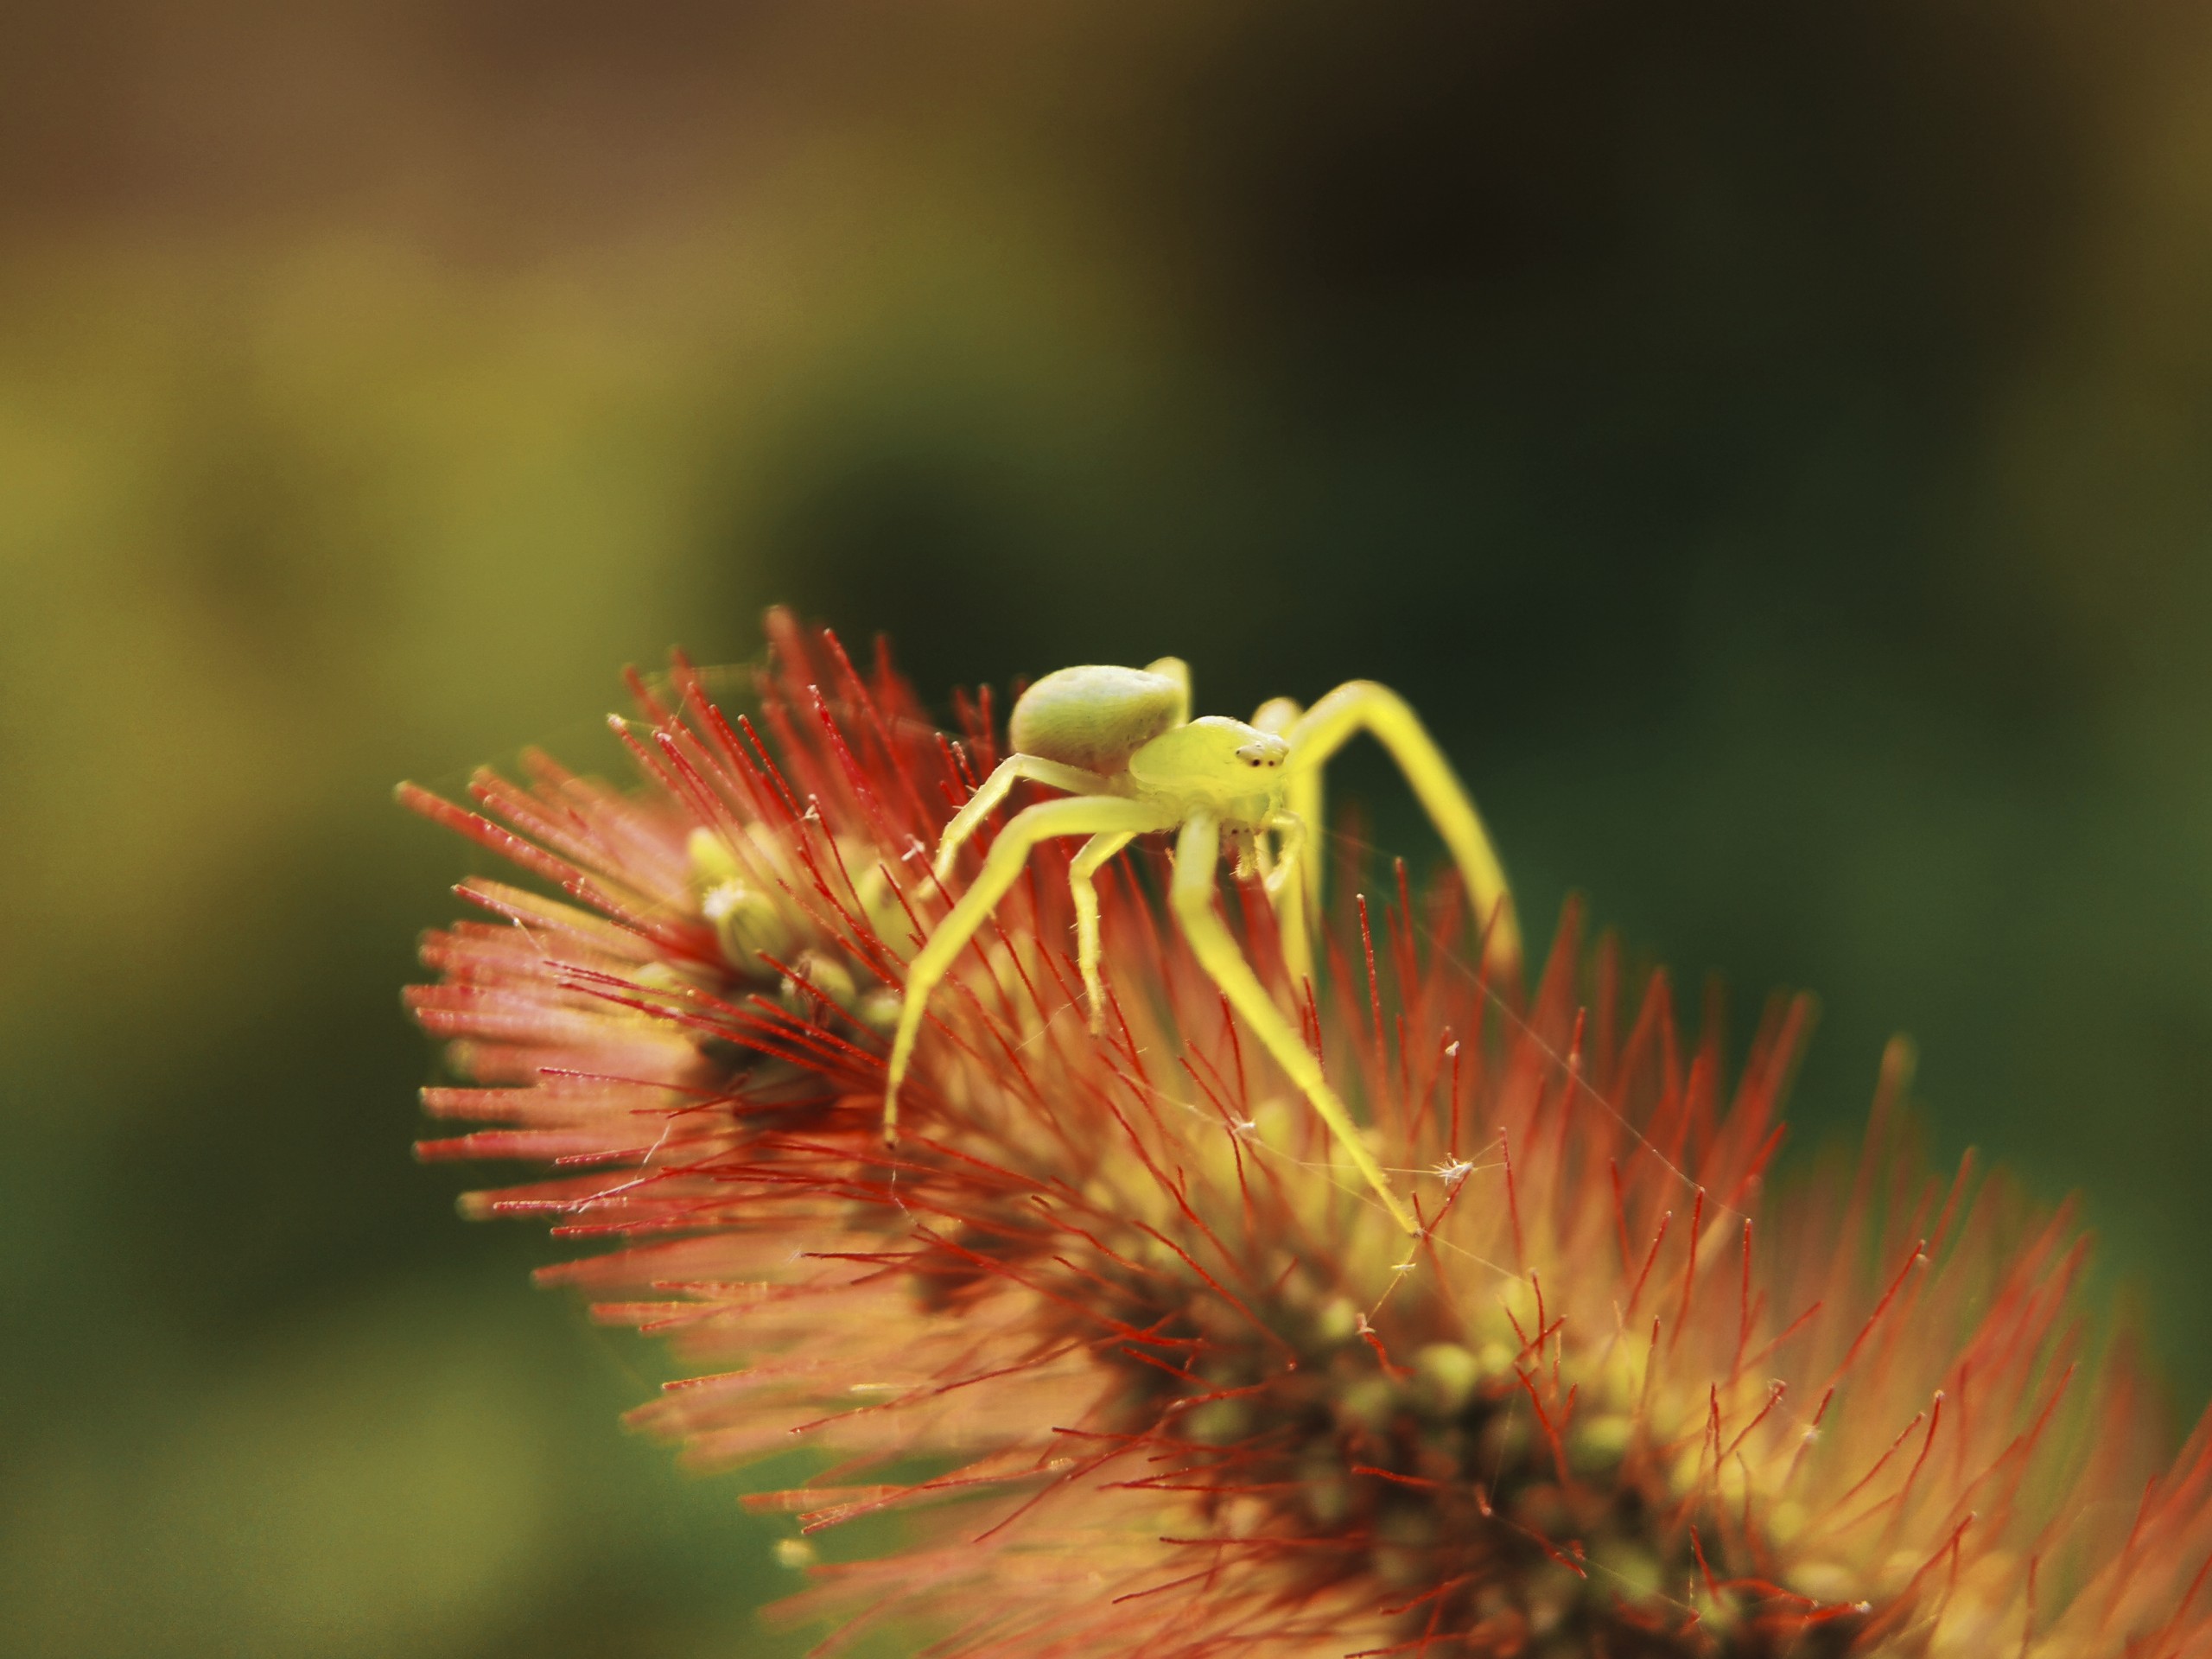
(1096, 716)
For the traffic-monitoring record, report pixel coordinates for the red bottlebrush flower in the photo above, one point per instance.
(1165, 1376)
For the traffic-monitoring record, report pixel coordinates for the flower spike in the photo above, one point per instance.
(1174, 1380)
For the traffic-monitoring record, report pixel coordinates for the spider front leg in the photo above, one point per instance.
(1097, 815)
(1361, 705)
(1085, 865)
(1198, 852)
(993, 790)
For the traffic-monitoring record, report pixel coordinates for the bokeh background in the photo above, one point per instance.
(1772, 444)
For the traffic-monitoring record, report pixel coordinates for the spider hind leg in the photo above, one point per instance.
(1083, 814)
(993, 790)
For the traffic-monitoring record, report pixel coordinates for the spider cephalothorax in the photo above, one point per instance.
(1122, 743)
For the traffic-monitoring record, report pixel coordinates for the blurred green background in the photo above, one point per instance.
(1772, 445)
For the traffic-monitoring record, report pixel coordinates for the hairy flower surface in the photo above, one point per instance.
(1162, 1374)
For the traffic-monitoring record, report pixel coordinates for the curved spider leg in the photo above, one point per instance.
(1361, 705)
(1086, 863)
(1197, 854)
(993, 790)
(1083, 815)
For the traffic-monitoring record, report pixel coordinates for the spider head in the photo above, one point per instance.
(1264, 753)
(1213, 761)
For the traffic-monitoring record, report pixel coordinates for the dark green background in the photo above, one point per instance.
(1773, 445)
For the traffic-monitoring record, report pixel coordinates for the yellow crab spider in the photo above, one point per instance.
(1122, 745)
